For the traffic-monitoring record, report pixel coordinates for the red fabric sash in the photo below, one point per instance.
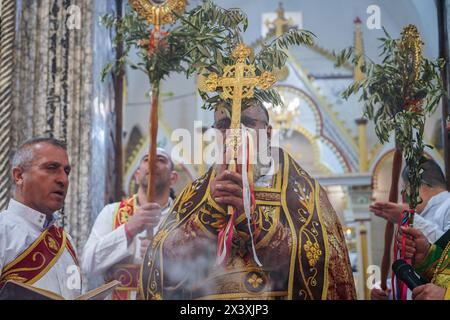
(124, 211)
(399, 288)
(127, 274)
(38, 258)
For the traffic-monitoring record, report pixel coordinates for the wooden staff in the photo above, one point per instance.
(153, 132)
(411, 43)
(389, 230)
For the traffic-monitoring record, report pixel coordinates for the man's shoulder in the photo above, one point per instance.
(294, 162)
(9, 220)
(200, 180)
(108, 211)
(446, 203)
(12, 227)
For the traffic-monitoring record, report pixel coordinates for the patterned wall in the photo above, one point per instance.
(58, 93)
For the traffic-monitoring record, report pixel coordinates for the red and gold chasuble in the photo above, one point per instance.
(32, 264)
(127, 274)
(298, 238)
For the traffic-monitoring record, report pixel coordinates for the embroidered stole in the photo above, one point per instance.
(33, 263)
(127, 274)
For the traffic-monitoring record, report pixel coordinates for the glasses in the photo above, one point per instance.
(225, 123)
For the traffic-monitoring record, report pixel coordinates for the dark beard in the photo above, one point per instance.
(160, 186)
(143, 183)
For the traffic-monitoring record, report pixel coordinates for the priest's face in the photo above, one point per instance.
(141, 174)
(164, 172)
(42, 184)
(253, 118)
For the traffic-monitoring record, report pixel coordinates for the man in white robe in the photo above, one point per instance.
(119, 238)
(433, 214)
(33, 249)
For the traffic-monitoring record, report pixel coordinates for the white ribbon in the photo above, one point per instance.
(246, 196)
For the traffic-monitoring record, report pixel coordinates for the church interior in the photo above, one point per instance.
(53, 52)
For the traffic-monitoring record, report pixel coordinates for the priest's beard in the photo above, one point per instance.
(143, 183)
(160, 184)
(261, 161)
(262, 164)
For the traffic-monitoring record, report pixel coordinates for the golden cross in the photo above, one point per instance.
(280, 22)
(238, 82)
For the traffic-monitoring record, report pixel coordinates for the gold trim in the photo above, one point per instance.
(51, 263)
(161, 258)
(325, 240)
(207, 191)
(243, 295)
(158, 14)
(140, 283)
(272, 229)
(26, 252)
(268, 203)
(200, 225)
(116, 212)
(6, 271)
(302, 228)
(291, 226)
(447, 294)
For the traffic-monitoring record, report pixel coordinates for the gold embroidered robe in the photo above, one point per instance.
(298, 237)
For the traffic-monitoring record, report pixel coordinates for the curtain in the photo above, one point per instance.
(60, 49)
(7, 36)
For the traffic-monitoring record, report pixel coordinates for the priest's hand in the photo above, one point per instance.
(416, 244)
(388, 210)
(146, 217)
(226, 189)
(379, 294)
(428, 291)
(145, 242)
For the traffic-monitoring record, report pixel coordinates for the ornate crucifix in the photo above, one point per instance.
(157, 13)
(238, 82)
(412, 44)
(280, 23)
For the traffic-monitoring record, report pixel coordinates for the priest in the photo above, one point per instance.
(119, 237)
(293, 247)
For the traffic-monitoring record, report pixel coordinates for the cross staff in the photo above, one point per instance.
(238, 82)
(412, 44)
(280, 23)
(156, 13)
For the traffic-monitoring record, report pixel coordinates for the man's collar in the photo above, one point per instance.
(34, 217)
(167, 206)
(441, 196)
(437, 199)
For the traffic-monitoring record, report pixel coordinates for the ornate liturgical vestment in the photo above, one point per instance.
(36, 252)
(297, 235)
